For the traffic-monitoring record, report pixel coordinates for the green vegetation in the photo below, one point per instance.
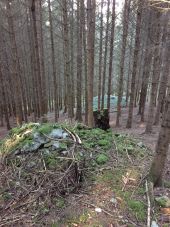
(45, 128)
(99, 147)
(138, 209)
(126, 144)
(101, 159)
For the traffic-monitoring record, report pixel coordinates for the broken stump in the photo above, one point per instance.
(101, 119)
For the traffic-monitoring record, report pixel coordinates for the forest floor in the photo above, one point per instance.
(98, 205)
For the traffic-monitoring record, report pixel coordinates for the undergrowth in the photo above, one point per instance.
(101, 149)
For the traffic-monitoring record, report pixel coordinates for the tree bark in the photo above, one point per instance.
(79, 61)
(135, 64)
(111, 56)
(165, 71)
(56, 112)
(15, 66)
(100, 56)
(105, 56)
(155, 75)
(161, 152)
(91, 6)
(147, 67)
(122, 58)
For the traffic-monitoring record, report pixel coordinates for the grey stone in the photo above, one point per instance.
(154, 224)
(40, 139)
(31, 147)
(55, 146)
(56, 133)
(65, 135)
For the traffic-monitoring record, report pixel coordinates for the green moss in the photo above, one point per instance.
(103, 142)
(45, 128)
(137, 208)
(101, 159)
(24, 127)
(94, 138)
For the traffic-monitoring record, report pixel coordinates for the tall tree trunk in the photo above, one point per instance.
(85, 61)
(162, 147)
(91, 6)
(111, 56)
(4, 99)
(37, 58)
(66, 59)
(129, 69)
(79, 61)
(56, 113)
(72, 55)
(155, 75)
(165, 71)
(122, 58)
(15, 66)
(105, 56)
(100, 55)
(147, 66)
(135, 63)
(42, 64)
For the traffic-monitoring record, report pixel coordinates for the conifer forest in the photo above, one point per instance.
(85, 113)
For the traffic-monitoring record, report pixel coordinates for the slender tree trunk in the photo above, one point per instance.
(79, 61)
(122, 58)
(155, 75)
(72, 55)
(91, 6)
(85, 61)
(15, 66)
(105, 56)
(161, 152)
(165, 72)
(5, 102)
(56, 113)
(111, 56)
(100, 55)
(66, 59)
(37, 58)
(129, 69)
(147, 67)
(135, 64)
(42, 64)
